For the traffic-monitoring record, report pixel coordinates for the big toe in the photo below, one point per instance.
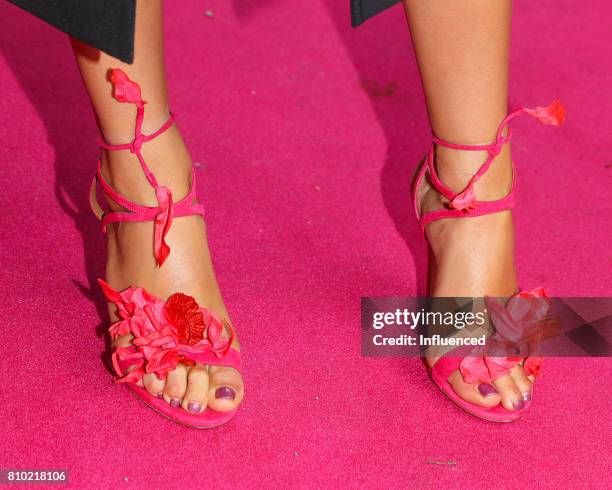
(484, 395)
(196, 396)
(225, 388)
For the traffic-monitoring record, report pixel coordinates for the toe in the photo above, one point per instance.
(195, 397)
(484, 395)
(512, 398)
(153, 384)
(226, 388)
(521, 381)
(176, 385)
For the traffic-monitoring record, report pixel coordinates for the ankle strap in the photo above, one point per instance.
(127, 91)
(464, 203)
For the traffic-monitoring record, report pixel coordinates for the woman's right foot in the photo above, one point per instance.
(188, 268)
(474, 257)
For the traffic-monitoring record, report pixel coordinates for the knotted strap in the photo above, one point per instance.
(127, 91)
(464, 203)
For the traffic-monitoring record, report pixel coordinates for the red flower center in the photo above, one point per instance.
(185, 315)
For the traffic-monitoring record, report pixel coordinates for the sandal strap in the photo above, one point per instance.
(464, 203)
(127, 91)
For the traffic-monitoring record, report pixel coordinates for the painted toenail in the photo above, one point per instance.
(518, 404)
(486, 389)
(194, 407)
(160, 395)
(225, 392)
(174, 402)
(526, 397)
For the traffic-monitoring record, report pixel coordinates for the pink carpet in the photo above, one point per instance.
(308, 132)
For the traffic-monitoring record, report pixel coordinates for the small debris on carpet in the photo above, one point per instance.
(442, 463)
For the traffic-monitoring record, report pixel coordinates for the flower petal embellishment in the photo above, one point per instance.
(163, 221)
(125, 89)
(162, 362)
(533, 365)
(554, 114)
(464, 201)
(184, 313)
(165, 333)
(124, 308)
(519, 327)
(474, 370)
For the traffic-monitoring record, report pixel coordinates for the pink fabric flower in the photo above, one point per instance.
(165, 332)
(519, 327)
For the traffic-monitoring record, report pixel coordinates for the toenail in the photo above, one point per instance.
(194, 407)
(518, 404)
(160, 395)
(526, 397)
(225, 392)
(175, 402)
(486, 389)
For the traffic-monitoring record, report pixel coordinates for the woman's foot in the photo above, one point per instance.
(474, 257)
(188, 268)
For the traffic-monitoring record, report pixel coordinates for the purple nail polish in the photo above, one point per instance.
(194, 407)
(486, 389)
(526, 397)
(225, 392)
(160, 395)
(175, 402)
(518, 404)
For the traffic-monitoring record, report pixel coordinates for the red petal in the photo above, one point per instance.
(162, 362)
(499, 366)
(533, 365)
(464, 201)
(163, 221)
(474, 370)
(125, 89)
(110, 293)
(133, 376)
(214, 331)
(553, 114)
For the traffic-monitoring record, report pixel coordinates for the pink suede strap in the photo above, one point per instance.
(464, 203)
(128, 91)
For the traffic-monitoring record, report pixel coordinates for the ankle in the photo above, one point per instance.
(455, 168)
(122, 129)
(168, 159)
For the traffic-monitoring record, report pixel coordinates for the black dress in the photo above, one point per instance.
(108, 25)
(362, 10)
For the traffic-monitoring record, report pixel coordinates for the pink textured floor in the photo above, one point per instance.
(308, 132)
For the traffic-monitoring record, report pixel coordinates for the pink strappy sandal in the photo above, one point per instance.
(480, 369)
(169, 332)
